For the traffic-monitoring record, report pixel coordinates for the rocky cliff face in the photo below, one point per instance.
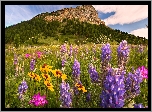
(83, 13)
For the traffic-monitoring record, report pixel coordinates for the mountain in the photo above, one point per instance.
(69, 24)
(84, 13)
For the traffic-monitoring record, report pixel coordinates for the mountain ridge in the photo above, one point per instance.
(69, 29)
(84, 13)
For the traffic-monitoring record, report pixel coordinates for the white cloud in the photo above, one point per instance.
(143, 32)
(16, 13)
(124, 14)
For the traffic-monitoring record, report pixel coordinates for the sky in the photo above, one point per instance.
(128, 18)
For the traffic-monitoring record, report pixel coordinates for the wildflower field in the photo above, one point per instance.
(71, 76)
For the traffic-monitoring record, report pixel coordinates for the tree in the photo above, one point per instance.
(17, 40)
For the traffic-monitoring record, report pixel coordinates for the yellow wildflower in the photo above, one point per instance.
(37, 77)
(31, 74)
(49, 85)
(46, 77)
(45, 68)
(80, 87)
(64, 76)
(57, 73)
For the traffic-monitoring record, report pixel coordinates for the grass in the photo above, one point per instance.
(52, 57)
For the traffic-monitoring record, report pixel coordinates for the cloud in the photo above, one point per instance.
(16, 13)
(124, 14)
(143, 32)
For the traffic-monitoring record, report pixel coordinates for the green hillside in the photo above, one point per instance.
(72, 31)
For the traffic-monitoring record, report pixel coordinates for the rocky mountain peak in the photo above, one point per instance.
(83, 13)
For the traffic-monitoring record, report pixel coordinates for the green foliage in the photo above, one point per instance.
(53, 58)
(81, 30)
(17, 40)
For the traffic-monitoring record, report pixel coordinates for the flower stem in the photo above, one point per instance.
(46, 95)
(57, 92)
(31, 88)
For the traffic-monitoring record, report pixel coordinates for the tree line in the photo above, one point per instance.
(38, 27)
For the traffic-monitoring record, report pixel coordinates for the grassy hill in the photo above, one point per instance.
(39, 31)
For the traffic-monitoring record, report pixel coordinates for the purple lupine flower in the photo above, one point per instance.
(112, 95)
(15, 59)
(123, 53)
(38, 100)
(63, 49)
(106, 52)
(93, 73)
(65, 95)
(71, 50)
(75, 50)
(87, 50)
(22, 89)
(123, 49)
(138, 105)
(129, 81)
(76, 69)
(133, 83)
(140, 48)
(63, 62)
(88, 97)
(76, 91)
(32, 64)
(105, 57)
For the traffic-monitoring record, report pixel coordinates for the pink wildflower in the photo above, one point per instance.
(144, 72)
(39, 54)
(38, 100)
(27, 55)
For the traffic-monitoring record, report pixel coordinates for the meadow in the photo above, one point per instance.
(71, 76)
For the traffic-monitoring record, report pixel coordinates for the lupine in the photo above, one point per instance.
(76, 69)
(32, 64)
(22, 89)
(138, 105)
(88, 97)
(75, 51)
(65, 95)
(76, 75)
(123, 53)
(63, 49)
(123, 49)
(75, 90)
(71, 50)
(15, 59)
(87, 50)
(93, 73)
(38, 100)
(113, 93)
(63, 62)
(106, 53)
(140, 48)
(133, 83)
(105, 57)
